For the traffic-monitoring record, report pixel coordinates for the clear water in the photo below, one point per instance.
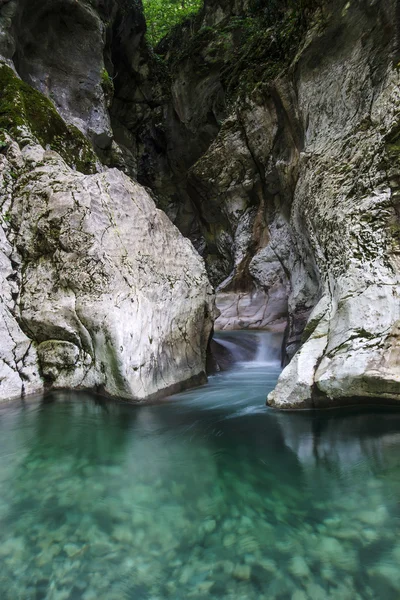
(208, 495)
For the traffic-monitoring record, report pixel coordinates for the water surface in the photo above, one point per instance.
(208, 495)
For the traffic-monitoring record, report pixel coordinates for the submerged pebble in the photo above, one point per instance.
(242, 572)
(299, 567)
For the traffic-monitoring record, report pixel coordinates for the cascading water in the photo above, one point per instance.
(251, 348)
(268, 349)
(209, 494)
(235, 351)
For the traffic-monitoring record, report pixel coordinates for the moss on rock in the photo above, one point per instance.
(21, 106)
(107, 85)
(248, 49)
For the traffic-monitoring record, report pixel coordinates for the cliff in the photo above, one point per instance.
(99, 290)
(282, 129)
(267, 132)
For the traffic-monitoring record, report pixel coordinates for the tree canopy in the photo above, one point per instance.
(162, 15)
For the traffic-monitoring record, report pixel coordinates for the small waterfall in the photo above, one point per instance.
(249, 348)
(268, 350)
(237, 352)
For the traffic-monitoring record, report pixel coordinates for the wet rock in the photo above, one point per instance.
(209, 526)
(229, 540)
(72, 550)
(376, 517)
(299, 567)
(388, 574)
(299, 595)
(315, 592)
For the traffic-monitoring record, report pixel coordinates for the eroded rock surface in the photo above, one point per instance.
(222, 162)
(273, 149)
(297, 198)
(345, 211)
(99, 290)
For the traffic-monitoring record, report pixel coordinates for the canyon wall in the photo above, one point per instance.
(266, 132)
(99, 290)
(294, 202)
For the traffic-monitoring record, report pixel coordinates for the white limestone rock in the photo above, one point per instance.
(110, 295)
(344, 219)
(252, 310)
(19, 372)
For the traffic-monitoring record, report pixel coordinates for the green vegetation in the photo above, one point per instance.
(264, 43)
(108, 87)
(22, 107)
(249, 49)
(393, 145)
(163, 15)
(7, 217)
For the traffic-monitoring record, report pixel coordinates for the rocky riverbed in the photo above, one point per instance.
(208, 495)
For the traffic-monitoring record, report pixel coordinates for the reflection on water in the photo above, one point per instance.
(208, 495)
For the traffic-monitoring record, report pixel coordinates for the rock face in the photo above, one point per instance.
(91, 60)
(204, 162)
(57, 48)
(288, 186)
(99, 290)
(65, 50)
(345, 213)
(269, 136)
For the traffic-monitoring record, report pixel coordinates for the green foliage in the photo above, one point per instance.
(247, 49)
(267, 40)
(105, 78)
(163, 15)
(272, 10)
(21, 107)
(108, 87)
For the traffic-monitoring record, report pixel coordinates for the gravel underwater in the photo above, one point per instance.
(207, 495)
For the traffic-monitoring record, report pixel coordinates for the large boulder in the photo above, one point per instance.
(99, 289)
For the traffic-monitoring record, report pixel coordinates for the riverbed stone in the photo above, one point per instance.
(299, 567)
(242, 572)
(299, 595)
